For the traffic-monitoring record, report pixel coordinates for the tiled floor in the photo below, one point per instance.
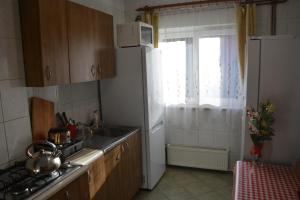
(190, 184)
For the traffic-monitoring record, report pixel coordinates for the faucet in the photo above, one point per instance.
(97, 121)
(86, 129)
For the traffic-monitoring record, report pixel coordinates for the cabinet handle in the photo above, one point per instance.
(118, 157)
(127, 146)
(93, 70)
(48, 72)
(67, 195)
(99, 69)
(89, 176)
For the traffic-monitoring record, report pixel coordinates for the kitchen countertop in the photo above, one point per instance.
(85, 157)
(95, 147)
(106, 143)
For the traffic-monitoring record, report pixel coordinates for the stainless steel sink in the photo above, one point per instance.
(113, 131)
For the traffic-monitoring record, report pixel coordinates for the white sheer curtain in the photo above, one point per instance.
(202, 90)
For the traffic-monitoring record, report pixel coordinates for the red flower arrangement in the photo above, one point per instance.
(260, 124)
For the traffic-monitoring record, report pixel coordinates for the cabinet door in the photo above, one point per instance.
(45, 42)
(97, 176)
(54, 42)
(83, 65)
(111, 189)
(77, 190)
(105, 45)
(112, 159)
(131, 166)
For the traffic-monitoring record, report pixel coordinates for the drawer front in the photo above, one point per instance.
(76, 190)
(112, 159)
(96, 176)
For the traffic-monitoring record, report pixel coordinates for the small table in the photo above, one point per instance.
(265, 182)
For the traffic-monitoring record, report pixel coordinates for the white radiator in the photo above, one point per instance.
(216, 159)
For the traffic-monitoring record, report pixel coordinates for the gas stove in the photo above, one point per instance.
(16, 183)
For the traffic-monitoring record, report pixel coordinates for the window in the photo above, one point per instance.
(200, 70)
(174, 70)
(209, 71)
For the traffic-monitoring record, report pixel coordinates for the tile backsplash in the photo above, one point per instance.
(78, 101)
(14, 103)
(15, 130)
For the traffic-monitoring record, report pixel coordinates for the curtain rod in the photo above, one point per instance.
(174, 5)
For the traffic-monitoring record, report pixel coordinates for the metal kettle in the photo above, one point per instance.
(43, 158)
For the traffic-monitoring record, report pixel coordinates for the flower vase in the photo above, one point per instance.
(256, 152)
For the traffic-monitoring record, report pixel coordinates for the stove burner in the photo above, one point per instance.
(20, 190)
(16, 183)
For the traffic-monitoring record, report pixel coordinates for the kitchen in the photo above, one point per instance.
(36, 35)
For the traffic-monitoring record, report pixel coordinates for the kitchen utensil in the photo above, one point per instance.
(59, 136)
(42, 118)
(60, 120)
(65, 118)
(43, 158)
(69, 149)
(73, 130)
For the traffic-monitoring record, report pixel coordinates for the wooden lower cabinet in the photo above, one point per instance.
(124, 180)
(96, 176)
(114, 176)
(131, 168)
(76, 190)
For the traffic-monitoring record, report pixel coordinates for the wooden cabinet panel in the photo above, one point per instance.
(124, 179)
(97, 176)
(105, 45)
(116, 176)
(135, 169)
(131, 168)
(111, 189)
(91, 44)
(83, 63)
(54, 42)
(45, 46)
(77, 190)
(65, 42)
(112, 159)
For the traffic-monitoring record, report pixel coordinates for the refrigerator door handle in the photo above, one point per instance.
(157, 126)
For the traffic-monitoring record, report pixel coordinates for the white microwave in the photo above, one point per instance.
(134, 34)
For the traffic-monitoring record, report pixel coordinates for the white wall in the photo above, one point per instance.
(288, 15)
(280, 58)
(78, 100)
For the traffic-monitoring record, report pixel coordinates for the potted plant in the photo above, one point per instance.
(260, 125)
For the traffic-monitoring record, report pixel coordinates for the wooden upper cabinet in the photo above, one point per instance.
(104, 37)
(91, 44)
(83, 63)
(45, 42)
(64, 42)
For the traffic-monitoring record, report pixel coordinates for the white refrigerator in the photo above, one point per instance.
(273, 72)
(134, 98)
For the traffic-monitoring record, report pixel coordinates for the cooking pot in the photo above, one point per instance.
(59, 136)
(43, 158)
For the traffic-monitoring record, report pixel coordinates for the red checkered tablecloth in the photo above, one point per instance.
(265, 182)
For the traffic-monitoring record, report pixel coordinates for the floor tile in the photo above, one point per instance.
(190, 184)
